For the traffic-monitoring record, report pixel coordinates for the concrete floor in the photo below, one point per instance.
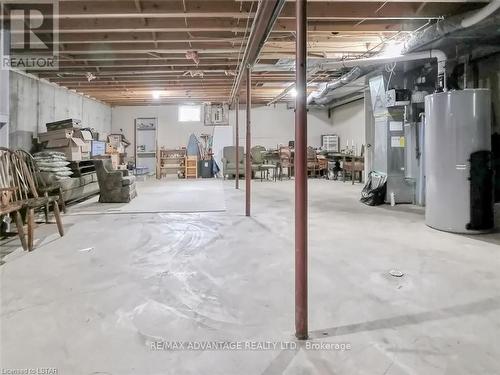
(122, 279)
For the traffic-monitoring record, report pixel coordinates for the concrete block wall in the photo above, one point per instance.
(33, 103)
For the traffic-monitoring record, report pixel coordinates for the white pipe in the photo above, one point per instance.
(480, 14)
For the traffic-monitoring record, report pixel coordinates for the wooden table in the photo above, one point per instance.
(346, 159)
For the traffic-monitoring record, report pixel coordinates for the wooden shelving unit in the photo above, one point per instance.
(146, 144)
(171, 162)
(191, 167)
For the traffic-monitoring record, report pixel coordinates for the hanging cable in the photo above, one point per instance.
(389, 68)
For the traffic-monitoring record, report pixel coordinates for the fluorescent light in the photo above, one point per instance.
(156, 94)
(293, 92)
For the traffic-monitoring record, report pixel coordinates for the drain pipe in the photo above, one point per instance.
(439, 55)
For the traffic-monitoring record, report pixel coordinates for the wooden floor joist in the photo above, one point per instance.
(132, 47)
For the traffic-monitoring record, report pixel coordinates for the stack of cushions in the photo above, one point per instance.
(53, 162)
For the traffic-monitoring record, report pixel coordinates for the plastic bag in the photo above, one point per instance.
(374, 191)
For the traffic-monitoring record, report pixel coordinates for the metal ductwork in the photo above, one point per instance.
(429, 35)
(322, 97)
(439, 30)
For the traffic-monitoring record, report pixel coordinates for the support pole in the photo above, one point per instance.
(301, 172)
(248, 163)
(237, 135)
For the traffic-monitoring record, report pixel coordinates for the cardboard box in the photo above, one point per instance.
(115, 160)
(71, 147)
(55, 134)
(86, 137)
(115, 139)
(64, 124)
(109, 148)
(120, 148)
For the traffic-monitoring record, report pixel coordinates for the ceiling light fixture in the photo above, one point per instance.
(293, 92)
(156, 95)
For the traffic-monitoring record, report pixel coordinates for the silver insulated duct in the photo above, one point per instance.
(323, 96)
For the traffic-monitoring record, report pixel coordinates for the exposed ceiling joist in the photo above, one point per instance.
(135, 46)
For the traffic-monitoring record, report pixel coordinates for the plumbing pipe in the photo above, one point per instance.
(481, 14)
(265, 17)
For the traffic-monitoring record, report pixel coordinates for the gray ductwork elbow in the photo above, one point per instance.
(321, 97)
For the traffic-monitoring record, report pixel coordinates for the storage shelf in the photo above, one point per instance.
(171, 161)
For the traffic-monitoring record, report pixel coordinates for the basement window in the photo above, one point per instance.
(189, 113)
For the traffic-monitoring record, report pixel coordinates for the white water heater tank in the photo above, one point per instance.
(459, 175)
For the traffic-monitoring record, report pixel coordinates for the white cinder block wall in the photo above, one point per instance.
(271, 126)
(33, 103)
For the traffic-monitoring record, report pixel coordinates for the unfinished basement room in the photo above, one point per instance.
(250, 187)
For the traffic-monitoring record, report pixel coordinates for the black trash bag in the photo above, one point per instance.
(373, 194)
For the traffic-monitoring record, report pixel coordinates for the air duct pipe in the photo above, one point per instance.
(439, 55)
(450, 25)
(322, 97)
(480, 14)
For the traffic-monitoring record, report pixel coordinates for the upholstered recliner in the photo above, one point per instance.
(258, 162)
(229, 161)
(116, 186)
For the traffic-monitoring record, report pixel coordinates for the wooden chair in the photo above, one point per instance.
(9, 206)
(312, 162)
(285, 156)
(322, 165)
(26, 193)
(45, 182)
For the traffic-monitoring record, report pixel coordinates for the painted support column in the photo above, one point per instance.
(237, 135)
(300, 161)
(248, 162)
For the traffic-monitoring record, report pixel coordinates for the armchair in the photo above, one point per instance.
(258, 162)
(229, 161)
(116, 186)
